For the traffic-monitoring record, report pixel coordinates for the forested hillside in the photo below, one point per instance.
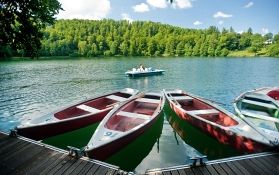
(109, 38)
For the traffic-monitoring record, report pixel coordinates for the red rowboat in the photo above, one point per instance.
(124, 124)
(217, 122)
(74, 117)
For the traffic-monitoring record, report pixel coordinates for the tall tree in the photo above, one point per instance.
(21, 22)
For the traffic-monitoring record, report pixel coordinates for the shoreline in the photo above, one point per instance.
(231, 55)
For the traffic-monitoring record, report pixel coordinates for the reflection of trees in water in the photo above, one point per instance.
(202, 142)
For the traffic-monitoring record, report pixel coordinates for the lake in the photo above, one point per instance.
(34, 88)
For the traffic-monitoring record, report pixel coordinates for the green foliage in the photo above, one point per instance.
(274, 50)
(93, 38)
(21, 23)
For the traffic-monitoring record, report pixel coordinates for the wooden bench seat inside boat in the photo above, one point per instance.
(204, 111)
(134, 115)
(267, 105)
(147, 100)
(88, 108)
(116, 98)
(260, 115)
(184, 98)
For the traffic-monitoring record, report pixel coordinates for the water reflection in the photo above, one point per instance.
(205, 144)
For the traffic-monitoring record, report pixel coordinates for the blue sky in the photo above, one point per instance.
(261, 15)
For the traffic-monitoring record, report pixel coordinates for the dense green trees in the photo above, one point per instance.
(106, 37)
(21, 22)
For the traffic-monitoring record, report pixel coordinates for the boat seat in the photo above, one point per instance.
(147, 100)
(259, 115)
(116, 98)
(203, 111)
(134, 115)
(88, 108)
(267, 105)
(186, 98)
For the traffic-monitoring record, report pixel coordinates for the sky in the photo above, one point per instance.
(261, 15)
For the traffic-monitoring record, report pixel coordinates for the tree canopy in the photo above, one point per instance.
(90, 38)
(21, 23)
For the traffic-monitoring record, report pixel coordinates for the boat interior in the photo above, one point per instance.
(134, 113)
(259, 107)
(196, 107)
(92, 106)
(274, 94)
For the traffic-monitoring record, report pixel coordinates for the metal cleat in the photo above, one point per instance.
(196, 159)
(75, 152)
(13, 133)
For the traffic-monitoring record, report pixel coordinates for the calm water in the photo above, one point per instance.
(34, 88)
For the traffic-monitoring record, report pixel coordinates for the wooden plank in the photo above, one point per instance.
(59, 168)
(196, 171)
(11, 147)
(80, 167)
(211, 170)
(248, 167)
(51, 164)
(188, 171)
(24, 158)
(181, 172)
(36, 161)
(261, 166)
(100, 171)
(7, 140)
(227, 169)
(73, 166)
(166, 173)
(86, 168)
(44, 162)
(219, 169)
(253, 166)
(234, 169)
(204, 170)
(268, 165)
(174, 172)
(241, 168)
(14, 153)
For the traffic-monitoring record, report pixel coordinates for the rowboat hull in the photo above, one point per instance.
(74, 117)
(40, 132)
(118, 128)
(225, 135)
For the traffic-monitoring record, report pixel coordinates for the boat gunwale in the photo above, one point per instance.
(51, 115)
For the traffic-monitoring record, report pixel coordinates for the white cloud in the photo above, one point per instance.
(157, 3)
(222, 15)
(182, 4)
(265, 31)
(125, 16)
(84, 9)
(220, 22)
(197, 23)
(141, 8)
(250, 4)
(240, 32)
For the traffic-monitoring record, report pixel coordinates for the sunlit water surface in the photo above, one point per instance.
(34, 88)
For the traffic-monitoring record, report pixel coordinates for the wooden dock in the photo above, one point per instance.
(254, 164)
(24, 156)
